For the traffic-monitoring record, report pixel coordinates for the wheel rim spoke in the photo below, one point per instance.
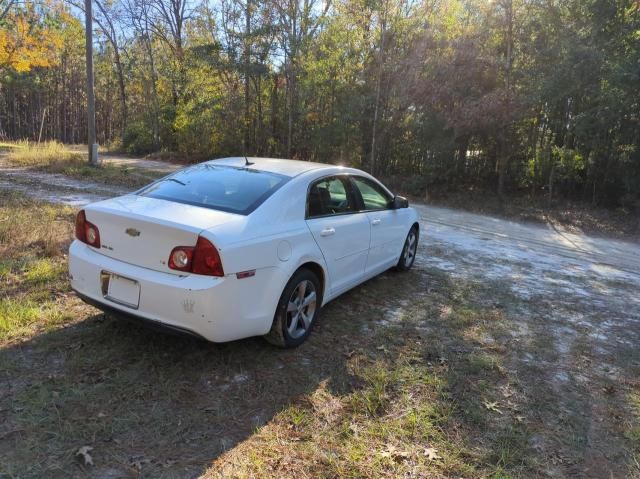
(301, 308)
(311, 298)
(306, 320)
(410, 248)
(302, 289)
(295, 319)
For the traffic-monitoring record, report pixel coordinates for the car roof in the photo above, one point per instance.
(279, 166)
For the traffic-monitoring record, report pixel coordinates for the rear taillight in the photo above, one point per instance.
(203, 258)
(181, 257)
(87, 232)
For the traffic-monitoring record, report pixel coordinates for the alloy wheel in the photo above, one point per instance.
(410, 248)
(301, 308)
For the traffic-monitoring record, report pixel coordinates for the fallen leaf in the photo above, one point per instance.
(492, 406)
(432, 453)
(392, 452)
(610, 389)
(86, 457)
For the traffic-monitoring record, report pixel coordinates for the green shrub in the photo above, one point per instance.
(138, 139)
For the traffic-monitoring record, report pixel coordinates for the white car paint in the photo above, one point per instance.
(274, 240)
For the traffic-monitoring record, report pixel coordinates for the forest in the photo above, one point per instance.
(540, 97)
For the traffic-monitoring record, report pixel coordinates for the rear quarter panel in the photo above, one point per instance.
(274, 241)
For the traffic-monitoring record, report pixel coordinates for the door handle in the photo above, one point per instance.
(376, 221)
(327, 232)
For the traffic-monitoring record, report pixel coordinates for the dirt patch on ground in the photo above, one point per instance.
(576, 216)
(76, 184)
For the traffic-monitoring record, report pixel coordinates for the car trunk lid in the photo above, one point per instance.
(143, 231)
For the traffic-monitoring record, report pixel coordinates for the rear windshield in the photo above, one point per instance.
(219, 187)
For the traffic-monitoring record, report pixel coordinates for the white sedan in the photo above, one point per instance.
(239, 247)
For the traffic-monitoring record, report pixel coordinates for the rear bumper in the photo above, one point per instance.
(216, 309)
(137, 318)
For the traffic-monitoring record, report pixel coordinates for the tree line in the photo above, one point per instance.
(540, 96)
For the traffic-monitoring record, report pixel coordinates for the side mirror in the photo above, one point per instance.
(399, 202)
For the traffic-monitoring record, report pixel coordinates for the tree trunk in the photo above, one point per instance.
(123, 91)
(372, 158)
(552, 175)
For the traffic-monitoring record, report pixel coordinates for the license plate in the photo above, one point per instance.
(122, 290)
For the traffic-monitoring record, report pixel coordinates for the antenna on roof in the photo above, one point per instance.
(247, 162)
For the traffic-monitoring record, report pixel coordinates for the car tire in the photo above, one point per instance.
(297, 310)
(408, 255)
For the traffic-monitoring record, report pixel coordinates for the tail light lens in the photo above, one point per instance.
(203, 258)
(181, 258)
(87, 232)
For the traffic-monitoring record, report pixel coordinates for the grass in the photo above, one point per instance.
(418, 407)
(54, 157)
(440, 390)
(33, 238)
(29, 154)
(632, 432)
(108, 174)
(382, 404)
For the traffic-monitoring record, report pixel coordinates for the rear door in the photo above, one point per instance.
(388, 226)
(339, 230)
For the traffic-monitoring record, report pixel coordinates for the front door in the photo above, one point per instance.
(387, 225)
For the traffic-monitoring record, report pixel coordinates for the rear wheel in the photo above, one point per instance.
(408, 255)
(297, 310)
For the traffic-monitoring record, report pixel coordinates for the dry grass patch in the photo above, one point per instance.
(632, 433)
(29, 154)
(55, 157)
(33, 239)
(29, 228)
(129, 177)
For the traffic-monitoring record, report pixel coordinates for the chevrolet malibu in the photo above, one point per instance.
(240, 247)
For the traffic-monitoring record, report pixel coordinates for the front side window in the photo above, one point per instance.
(329, 196)
(374, 197)
(219, 187)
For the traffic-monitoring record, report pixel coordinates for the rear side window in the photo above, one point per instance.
(329, 196)
(224, 188)
(373, 195)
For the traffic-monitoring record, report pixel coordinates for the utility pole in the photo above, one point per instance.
(91, 100)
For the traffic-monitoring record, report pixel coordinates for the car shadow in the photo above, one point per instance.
(158, 404)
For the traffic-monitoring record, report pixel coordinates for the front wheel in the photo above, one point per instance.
(297, 310)
(408, 255)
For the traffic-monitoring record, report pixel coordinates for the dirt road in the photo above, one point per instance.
(573, 301)
(574, 312)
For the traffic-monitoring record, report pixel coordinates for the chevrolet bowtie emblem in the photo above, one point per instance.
(132, 232)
